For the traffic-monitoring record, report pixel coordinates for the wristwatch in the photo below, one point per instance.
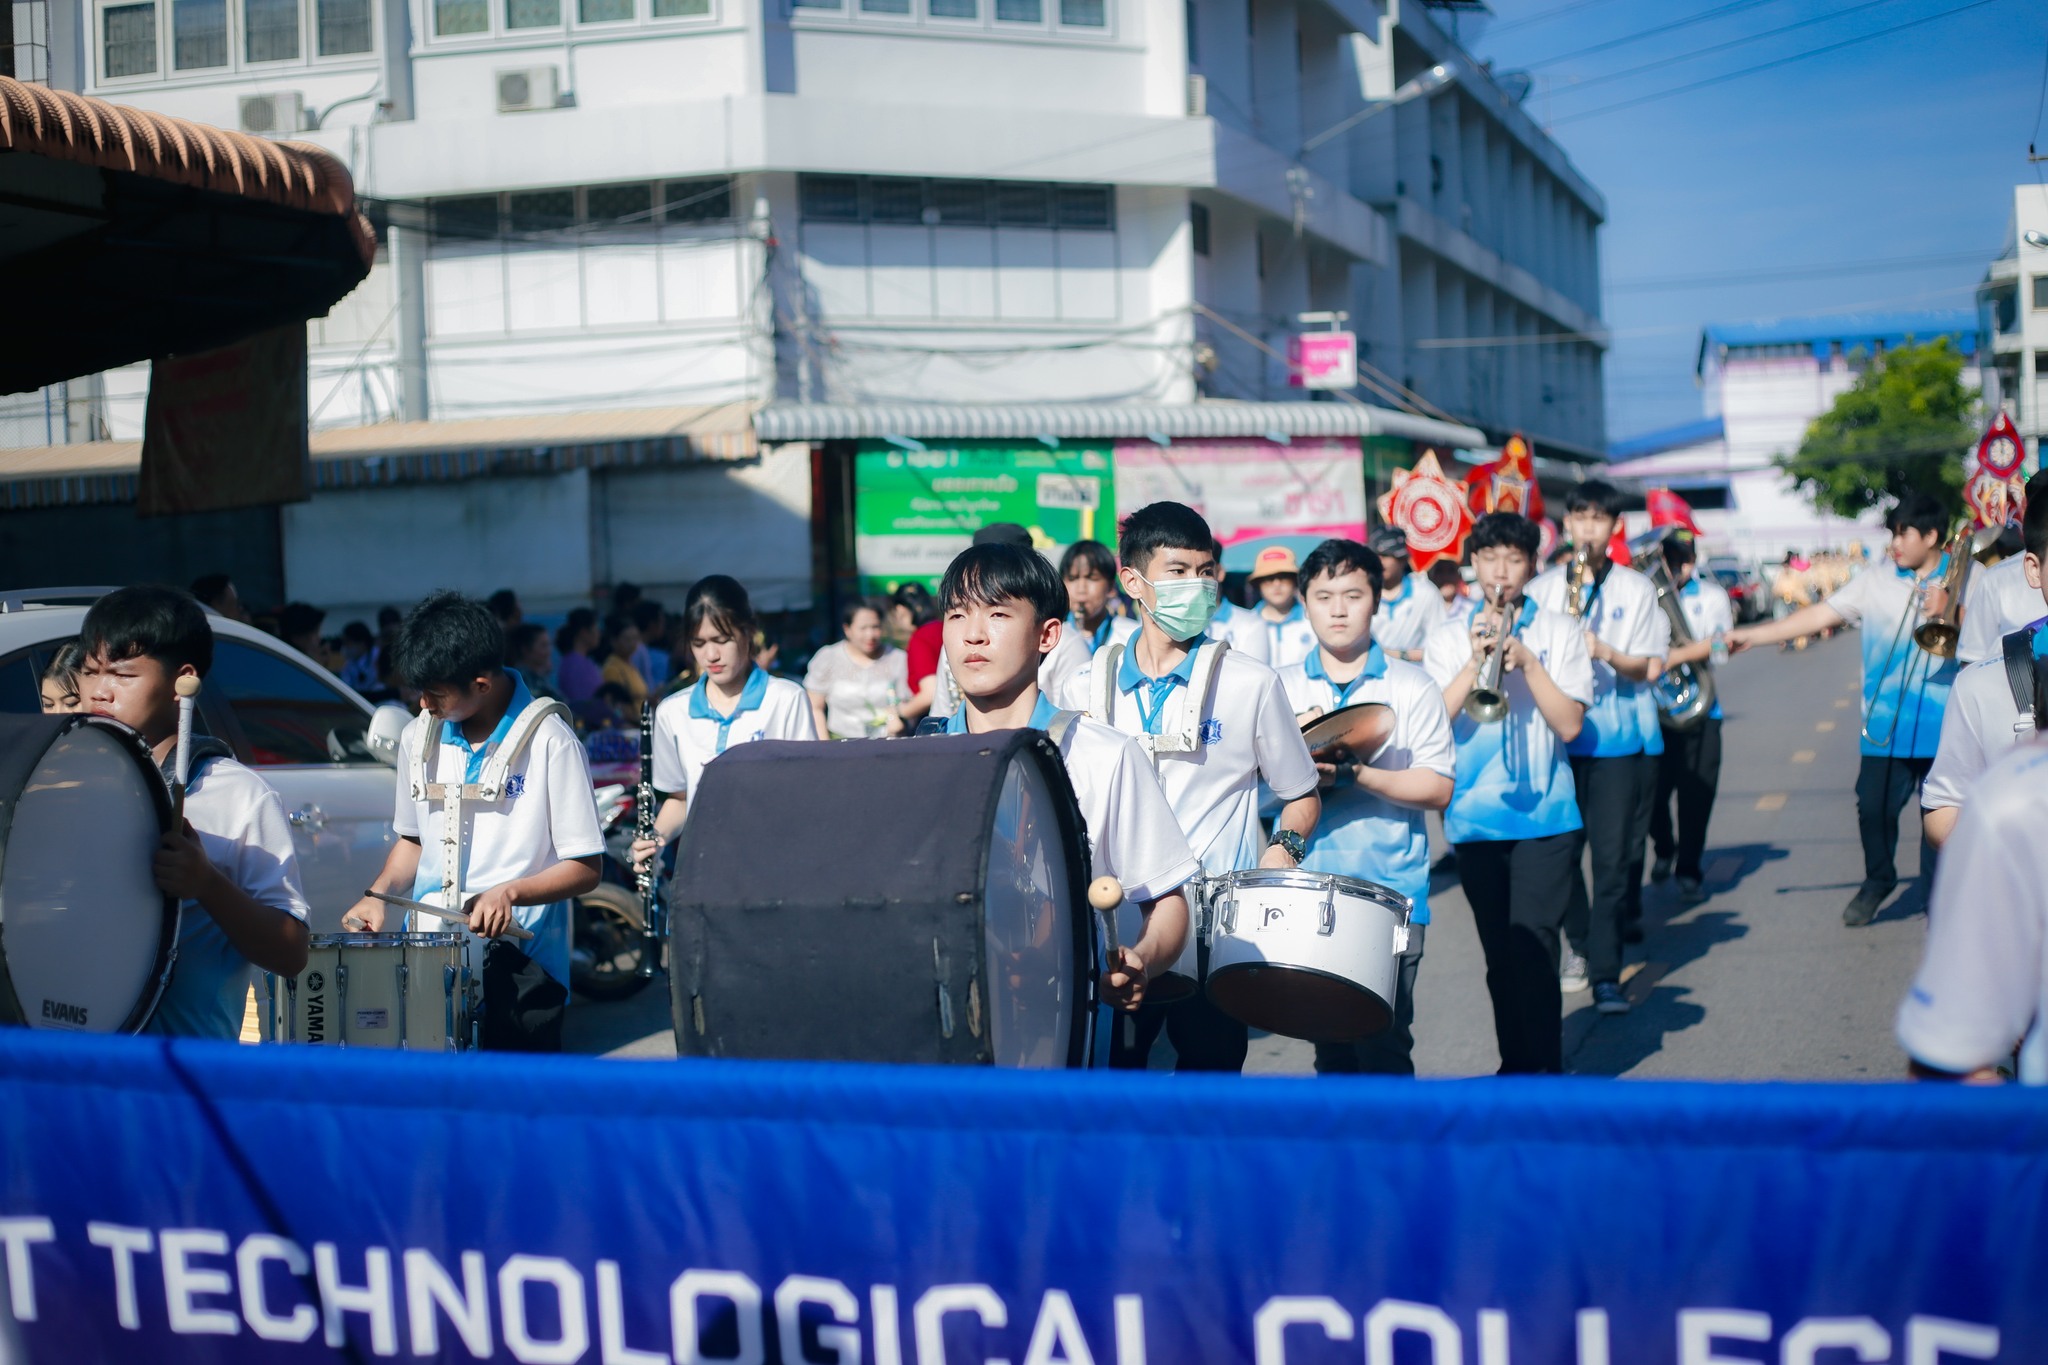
(1291, 843)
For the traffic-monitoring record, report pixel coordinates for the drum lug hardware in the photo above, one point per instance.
(341, 1005)
(1226, 914)
(448, 990)
(404, 1005)
(1328, 923)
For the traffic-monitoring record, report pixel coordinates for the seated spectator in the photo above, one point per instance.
(298, 625)
(533, 658)
(577, 674)
(359, 657)
(216, 592)
(622, 638)
(612, 736)
(504, 604)
(60, 681)
(652, 658)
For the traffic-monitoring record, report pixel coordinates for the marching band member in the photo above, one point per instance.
(1614, 755)
(1088, 568)
(1690, 766)
(1238, 625)
(2000, 599)
(1992, 705)
(1003, 608)
(1274, 578)
(1408, 609)
(1904, 688)
(1982, 984)
(1372, 826)
(732, 702)
(1214, 722)
(1514, 817)
(521, 856)
(232, 863)
(1068, 655)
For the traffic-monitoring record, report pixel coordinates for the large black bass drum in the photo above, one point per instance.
(86, 938)
(910, 900)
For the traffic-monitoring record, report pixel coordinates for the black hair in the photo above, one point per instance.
(1916, 511)
(579, 620)
(615, 693)
(1091, 555)
(1162, 526)
(298, 618)
(503, 603)
(1678, 549)
(624, 595)
(1594, 495)
(448, 640)
(1389, 540)
(153, 622)
(987, 574)
(1509, 529)
(1444, 571)
(521, 639)
(723, 602)
(208, 588)
(615, 625)
(1003, 533)
(64, 665)
(388, 617)
(854, 606)
(2034, 526)
(916, 599)
(1336, 557)
(359, 631)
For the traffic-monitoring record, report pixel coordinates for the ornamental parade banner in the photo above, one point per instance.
(189, 1201)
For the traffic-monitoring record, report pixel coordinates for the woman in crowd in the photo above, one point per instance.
(622, 641)
(915, 618)
(577, 675)
(860, 684)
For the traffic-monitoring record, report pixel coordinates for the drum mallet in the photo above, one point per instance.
(187, 688)
(1106, 893)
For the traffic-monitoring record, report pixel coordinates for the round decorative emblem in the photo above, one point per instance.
(2001, 455)
(315, 981)
(1428, 511)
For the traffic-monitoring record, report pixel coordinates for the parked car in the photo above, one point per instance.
(1747, 593)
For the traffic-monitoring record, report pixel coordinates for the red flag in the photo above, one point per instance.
(1507, 483)
(1668, 509)
(1617, 548)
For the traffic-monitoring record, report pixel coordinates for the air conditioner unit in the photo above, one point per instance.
(280, 114)
(1198, 96)
(528, 87)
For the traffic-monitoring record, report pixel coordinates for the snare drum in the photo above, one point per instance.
(1306, 954)
(406, 991)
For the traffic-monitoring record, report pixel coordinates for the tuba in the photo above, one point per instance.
(1684, 694)
(1488, 699)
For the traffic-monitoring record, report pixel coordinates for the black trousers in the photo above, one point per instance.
(1518, 889)
(1204, 1038)
(1390, 1052)
(1883, 786)
(1614, 803)
(523, 1006)
(1690, 771)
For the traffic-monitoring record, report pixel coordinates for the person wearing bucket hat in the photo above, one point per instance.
(1274, 577)
(1407, 610)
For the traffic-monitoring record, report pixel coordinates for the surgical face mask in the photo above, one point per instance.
(1185, 606)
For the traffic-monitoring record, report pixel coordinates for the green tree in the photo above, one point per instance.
(1904, 425)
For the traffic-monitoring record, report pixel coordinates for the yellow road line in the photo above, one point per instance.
(1841, 703)
(1771, 801)
(1803, 756)
(1825, 726)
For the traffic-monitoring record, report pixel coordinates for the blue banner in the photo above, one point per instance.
(167, 1202)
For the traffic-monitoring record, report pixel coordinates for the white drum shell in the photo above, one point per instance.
(408, 991)
(1340, 929)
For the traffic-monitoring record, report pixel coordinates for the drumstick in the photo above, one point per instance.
(187, 688)
(440, 912)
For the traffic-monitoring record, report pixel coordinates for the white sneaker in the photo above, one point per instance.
(1571, 973)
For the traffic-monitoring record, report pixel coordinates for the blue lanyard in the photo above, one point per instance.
(1158, 689)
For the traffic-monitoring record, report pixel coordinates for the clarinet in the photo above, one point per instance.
(653, 918)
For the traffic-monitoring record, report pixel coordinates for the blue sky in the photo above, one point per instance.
(1904, 146)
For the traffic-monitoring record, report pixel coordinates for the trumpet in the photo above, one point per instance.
(1938, 633)
(1578, 580)
(1488, 700)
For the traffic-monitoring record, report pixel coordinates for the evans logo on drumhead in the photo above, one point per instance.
(68, 1016)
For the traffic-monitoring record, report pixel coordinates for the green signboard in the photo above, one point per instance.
(915, 509)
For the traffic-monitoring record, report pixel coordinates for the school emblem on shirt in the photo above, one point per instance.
(515, 786)
(1212, 731)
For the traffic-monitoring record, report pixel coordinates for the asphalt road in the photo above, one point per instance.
(1761, 982)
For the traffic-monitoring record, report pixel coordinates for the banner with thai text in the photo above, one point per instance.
(1249, 491)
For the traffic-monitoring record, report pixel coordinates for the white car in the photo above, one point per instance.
(284, 715)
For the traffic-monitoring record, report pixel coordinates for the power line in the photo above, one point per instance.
(1768, 66)
(1735, 7)
(1653, 284)
(1574, 87)
(1541, 16)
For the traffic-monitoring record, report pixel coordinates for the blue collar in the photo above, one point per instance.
(1129, 676)
(1522, 619)
(1939, 569)
(1041, 716)
(751, 697)
(1293, 615)
(451, 732)
(1407, 587)
(1691, 588)
(1375, 667)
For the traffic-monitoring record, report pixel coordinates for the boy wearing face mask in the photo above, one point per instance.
(1214, 723)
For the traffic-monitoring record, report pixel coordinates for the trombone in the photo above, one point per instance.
(1935, 638)
(1488, 699)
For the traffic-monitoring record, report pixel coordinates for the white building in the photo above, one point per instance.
(628, 205)
(1761, 384)
(2014, 301)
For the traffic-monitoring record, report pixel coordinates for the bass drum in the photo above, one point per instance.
(86, 939)
(910, 901)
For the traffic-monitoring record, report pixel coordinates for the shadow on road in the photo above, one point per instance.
(1613, 1045)
(1728, 868)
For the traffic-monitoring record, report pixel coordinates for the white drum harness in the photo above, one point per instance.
(1187, 736)
(488, 789)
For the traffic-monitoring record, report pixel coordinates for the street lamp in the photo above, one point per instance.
(1428, 83)
(2039, 239)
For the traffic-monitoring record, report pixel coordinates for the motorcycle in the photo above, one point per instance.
(607, 941)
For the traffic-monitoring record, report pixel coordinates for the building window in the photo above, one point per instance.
(697, 201)
(1020, 11)
(682, 9)
(461, 16)
(815, 4)
(894, 199)
(1076, 17)
(954, 9)
(960, 201)
(1198, 227)
(533, 13)
(270, 30)
(830, 198)
(2041, 291)
(1084, 13)
(466, 219)
(129, 34)
(344, 27)
(541, 210)
(1081, 206)
(627, 207)
(885, 6)
(619, 205)
(199, 34)
(604, 11)
(1023, 205)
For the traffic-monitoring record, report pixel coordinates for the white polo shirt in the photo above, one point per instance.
(1998, 602)
(1623, 612)
(1288, 640)
(1708, 612)
(1904, 687)
(1360, 834)
(1514, 777)
(1983, 980)
(1981, 722)
(689, 732)
(1247, 732)
(547, 815)
(1243, 628)
(1110, 630)
(1407, 614)
(241, 824)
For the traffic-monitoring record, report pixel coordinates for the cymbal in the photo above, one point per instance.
(1362, 730)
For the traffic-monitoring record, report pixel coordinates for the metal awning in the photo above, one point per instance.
(1099, 421)
(127, 235)
(415, 452)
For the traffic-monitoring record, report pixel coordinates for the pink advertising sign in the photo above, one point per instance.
(1249, 490)
(1323, 360)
